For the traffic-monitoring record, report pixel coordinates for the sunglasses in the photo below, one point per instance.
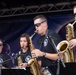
(74, 14)
(38, 24)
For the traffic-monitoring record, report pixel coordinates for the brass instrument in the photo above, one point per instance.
(33, 63)
(63, 46)
(19, 59)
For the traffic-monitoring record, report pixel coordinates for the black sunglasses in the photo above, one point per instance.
(38, 24)
(74, 14)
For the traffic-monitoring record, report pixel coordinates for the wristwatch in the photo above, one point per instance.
(44, 53)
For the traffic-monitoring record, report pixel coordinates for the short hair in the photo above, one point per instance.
(27, 37)
(41, 17)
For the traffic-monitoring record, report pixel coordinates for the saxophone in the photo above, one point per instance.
(19, 59)
(63, 46)
(33, 63)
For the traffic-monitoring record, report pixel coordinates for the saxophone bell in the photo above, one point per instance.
(63, 46)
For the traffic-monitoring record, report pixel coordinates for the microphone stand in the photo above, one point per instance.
(59, 56)
(1, 61)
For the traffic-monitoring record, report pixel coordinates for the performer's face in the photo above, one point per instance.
(39, 26)
(74, 10)
(1, 46)
(23, 42)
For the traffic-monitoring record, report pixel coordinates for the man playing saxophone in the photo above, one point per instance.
(24, 55)
(72, 42)
(46, 54)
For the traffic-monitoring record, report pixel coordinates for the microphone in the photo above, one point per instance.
(15, 55)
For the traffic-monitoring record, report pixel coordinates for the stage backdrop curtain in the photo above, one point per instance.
(12, 28)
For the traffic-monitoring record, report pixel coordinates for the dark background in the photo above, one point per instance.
(16, 17)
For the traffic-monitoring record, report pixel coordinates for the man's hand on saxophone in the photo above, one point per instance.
(37, 53)
(72, 43)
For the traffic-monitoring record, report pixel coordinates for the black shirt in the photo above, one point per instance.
(25, 56)
(7, 61)
(47, 46)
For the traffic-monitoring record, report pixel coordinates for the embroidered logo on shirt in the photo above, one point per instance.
(27, 58)
(45, 42)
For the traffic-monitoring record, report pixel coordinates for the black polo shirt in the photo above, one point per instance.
(7, 61)
(47, 46)
(25, 56)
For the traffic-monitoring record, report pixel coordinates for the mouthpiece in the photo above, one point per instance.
(35, 31)
(33, 34)
(74, 22)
